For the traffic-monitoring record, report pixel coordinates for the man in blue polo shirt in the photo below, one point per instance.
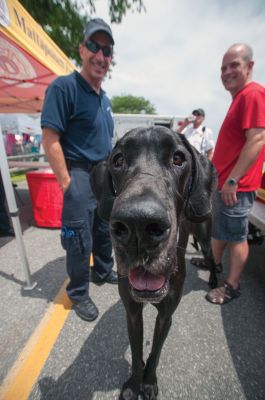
(77, 134)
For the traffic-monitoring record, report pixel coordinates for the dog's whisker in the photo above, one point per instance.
(123, 276)
(181, 248)
(145, 260)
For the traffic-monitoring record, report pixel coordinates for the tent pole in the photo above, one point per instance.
(13, 211)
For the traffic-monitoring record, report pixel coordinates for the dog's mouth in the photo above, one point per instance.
(147, 287)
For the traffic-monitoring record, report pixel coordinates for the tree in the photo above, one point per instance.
(64, 20)
(128, 104)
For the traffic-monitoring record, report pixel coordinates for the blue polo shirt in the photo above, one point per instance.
(81, 117)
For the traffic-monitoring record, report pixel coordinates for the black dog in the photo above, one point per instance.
(202, 236)
(153, 184)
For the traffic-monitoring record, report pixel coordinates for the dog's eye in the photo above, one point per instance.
(178, 158)
(118, 160)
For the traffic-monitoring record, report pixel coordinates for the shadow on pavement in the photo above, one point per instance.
(243, 322)
(49, 280)
(99, 367)
(25, 210)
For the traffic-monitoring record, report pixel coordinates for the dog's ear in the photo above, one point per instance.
(101, 184)
(202, 183)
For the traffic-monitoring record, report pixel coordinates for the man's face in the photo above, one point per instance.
(235, 71)
(199, 119)
(96, 65)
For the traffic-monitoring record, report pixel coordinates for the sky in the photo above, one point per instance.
(171, 54)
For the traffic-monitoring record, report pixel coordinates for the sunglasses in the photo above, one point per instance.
(94, 47)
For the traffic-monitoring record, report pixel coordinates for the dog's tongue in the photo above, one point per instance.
(140, 279)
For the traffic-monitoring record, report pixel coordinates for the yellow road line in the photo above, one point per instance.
(23, 375)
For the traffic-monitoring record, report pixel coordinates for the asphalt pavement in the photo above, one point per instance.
(211, 352)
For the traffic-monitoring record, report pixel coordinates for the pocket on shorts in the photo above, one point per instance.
(75, 238)
(235, 226)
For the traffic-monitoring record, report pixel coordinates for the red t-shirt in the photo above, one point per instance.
(246, 111)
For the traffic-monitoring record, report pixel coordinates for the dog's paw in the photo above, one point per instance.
(150, 392)
(128, 394)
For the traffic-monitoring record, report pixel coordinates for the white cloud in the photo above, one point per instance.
(171, 54)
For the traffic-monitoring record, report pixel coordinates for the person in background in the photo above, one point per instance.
(201, 137)
(77, 129)
(5, 227)
(238, 158)
(198, 135)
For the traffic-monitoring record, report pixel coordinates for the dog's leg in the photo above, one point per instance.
(134, 312)
(163, 323)
(213, 281)
(150, 388)
(202, 231)
(206, 228)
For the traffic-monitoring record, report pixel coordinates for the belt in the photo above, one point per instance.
(86, 165)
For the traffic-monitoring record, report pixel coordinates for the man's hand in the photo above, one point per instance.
(54, 153)
(228, 194)
(184, 124)
(65, 184)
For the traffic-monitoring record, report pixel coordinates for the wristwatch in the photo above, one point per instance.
(231, 182)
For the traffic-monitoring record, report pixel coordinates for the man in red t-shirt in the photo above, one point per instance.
(238, 158)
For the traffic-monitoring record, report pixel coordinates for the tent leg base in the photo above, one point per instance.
(30, 287)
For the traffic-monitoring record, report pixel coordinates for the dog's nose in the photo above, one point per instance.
(144, 220)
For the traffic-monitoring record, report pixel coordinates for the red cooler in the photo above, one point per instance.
(46, 198)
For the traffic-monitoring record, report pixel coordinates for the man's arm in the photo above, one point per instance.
(54, 153)
(209, 142)
(255, 140)
(209, 154)
(184, 124)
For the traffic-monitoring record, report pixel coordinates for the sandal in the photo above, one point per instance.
(201, 263)
(223, 294)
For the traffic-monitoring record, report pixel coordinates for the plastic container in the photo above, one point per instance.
(46, 198)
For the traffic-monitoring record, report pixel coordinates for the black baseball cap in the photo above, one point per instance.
(199, 111)
(97, 25)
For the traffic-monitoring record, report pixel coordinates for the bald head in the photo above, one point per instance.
(236, 69)
(243, 50)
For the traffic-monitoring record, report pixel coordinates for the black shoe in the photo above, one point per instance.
(86, 309)
(112, 277)
(8, 232)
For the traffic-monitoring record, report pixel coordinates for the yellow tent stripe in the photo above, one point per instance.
(24, 30)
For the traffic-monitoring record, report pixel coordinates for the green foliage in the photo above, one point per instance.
(18, 176)
(118, 8)
(64, 20)
(128, 104)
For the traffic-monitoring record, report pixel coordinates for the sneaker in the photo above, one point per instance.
(7, 232)
(86, 309)
(112, 278)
